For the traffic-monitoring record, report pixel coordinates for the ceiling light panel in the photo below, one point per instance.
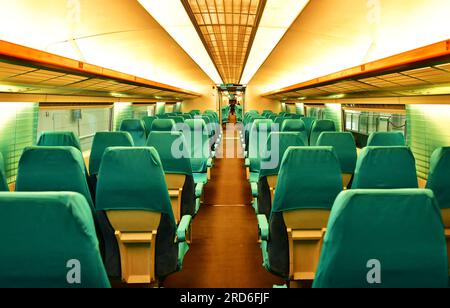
(227, 29)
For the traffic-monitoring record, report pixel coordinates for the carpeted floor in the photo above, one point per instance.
(225, 252)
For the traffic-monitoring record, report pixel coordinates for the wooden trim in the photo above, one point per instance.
(52, 61)
(386, 110)
(429, 52)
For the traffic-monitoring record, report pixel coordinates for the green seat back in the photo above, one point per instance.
(177, 119)
(309, 178)
(53, 169)
(396, 235)
(386, 139)
(296, 126)
(318, 128)
(104, 140)
(385, 168)
(133, 179)
(43, 236)
(439, 176)
(136, 129)
(148, 122)
(166, 143)
(277, 145)
(195, 112)
(3, 181)
(197, 139)
(59, 139)
(259, 134)
(163, 125)
(186, 116)
(345, 147)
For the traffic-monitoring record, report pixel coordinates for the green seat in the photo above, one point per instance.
(259, 134)
(102, 141)
(44, 236)
(186, 116)
(384, 239)
(308, 183)
(132, 186)
(318, 128)
(3, 181)
(345, 147)
(439, 176)
(60, 169)
(59, 139)
(197, 139)
(195, 112)
(277, 144)
(177, 119)
(296, 126)
(148, 122)
(136, 129)
(385, 168)
(386, 139)
(176, 163)
(163, 125)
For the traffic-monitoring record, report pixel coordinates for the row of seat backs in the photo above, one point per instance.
(317, 184)
(44, 236)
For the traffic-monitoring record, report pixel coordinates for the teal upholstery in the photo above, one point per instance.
(198, 144)
(345, 147)
(3, 181)
(176, 163)
(258, 137)
(43, 169)
(177, 119)
(186, 116)
(439, 176)
(163, 125)
(148, 123)
(102, 141)
(195, 112)
(385, 139)
(41, 234)
(59, 139)
(133, 179)
(270, 165)
(309, 122)
(136, 129)
(385, 168)
(297, 126)
(318, 128)
(309, 178)
(401, 230)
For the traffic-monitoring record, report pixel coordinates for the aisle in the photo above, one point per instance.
(225, 252)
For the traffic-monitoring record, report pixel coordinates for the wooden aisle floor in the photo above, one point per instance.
(225, 252)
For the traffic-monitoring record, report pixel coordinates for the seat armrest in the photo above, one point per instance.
(197, 205)
(247, 162)
(263, 226)
(254, 187)
(209, 163)
(183, 228)
(199, 190)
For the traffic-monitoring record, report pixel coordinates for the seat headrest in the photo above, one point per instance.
(133, 179)
(385, 139)
(163, 125)
(196, 124)
(310, 177)
(132, 125)
(345, 147)
(385, 168)
(319, 127)
(293, 125)
(53, 169)
(399, 230)
(59, 139)
(3, 182)
(41, 233)
(438, 178)
(177, 119)
(277, 145)
(165, 143)
(104, 140)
